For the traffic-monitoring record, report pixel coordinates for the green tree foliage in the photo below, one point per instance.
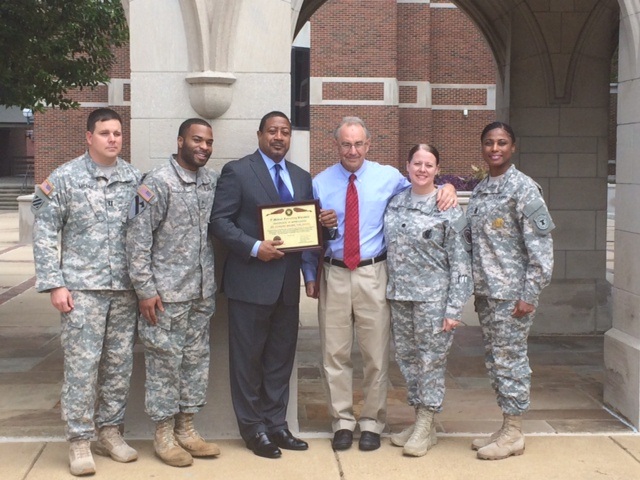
(48, 47)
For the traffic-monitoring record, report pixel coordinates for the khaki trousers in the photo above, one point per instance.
(355, 302)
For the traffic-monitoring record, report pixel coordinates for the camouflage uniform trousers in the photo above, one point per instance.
(177, 357)
(421, 350)
(97, 341)
(505, 343)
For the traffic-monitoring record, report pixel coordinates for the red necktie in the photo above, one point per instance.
(352, 226)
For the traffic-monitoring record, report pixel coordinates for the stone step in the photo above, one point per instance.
(9, 198)
(9, 194)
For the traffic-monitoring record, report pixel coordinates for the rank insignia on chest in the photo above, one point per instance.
(426, 234)
(498, 223)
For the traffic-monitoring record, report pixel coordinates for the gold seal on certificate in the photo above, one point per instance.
(295, 223)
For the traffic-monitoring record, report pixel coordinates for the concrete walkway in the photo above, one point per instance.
(546, 458)
(569, 433)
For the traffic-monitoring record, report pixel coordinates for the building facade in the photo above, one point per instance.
(230, 61)
(416, 72)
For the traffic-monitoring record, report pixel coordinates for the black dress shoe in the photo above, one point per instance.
(369, 441)
(263, 447)
(342, 439)
(284, 439)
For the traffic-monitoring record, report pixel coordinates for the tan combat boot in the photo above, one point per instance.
(424, 434)
(509, 442)
(189, 438)
(111, 444)
(400, 439)
(166, 447)
(478, 443)
(80, 458)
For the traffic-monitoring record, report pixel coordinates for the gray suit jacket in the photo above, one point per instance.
(243, 185)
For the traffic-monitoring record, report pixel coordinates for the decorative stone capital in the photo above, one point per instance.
(210, 29)
(210, 92)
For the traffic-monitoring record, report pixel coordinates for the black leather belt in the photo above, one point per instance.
(363, 263)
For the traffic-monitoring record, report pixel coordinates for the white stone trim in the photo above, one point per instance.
(491, 96)
(94, 104)
(390, 87)
(432, 5)
(392, 96)
(443, 5)
(116, 91)
(115, 95)
(423, 94)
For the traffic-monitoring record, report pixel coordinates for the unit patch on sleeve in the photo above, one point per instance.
(42, 195)
(142, 198)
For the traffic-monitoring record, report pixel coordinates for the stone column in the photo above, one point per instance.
(622, 342)
(228, 59)
(556, 90)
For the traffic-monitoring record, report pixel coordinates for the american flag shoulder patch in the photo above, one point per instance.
(145, 193)
(47, 187)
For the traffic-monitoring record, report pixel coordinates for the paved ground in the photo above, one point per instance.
(570, 434)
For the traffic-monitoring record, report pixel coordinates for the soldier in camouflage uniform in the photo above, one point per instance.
(171, 267)
(512, 263)
(429, 262)
(86, 201)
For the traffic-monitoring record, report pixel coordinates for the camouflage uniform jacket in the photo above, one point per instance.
(512, 245)
(428, 253)
(90, 212)
(168, 248)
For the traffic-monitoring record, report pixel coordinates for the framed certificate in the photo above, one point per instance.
(295, 223)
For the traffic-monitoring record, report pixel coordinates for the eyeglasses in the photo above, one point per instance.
(346, 147)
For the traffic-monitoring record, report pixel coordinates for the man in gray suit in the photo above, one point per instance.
(263, 286)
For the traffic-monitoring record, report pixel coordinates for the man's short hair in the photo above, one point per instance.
(191, 121)
(269, 115)
(101, 115)
(351, 121)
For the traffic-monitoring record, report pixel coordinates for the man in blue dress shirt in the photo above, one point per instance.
(354, 298)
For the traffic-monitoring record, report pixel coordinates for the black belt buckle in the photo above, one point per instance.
(369, 261)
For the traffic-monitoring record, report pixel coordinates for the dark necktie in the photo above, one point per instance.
(283, 191)
(352, 226)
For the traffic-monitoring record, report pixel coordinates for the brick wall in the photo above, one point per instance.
(411, 42)
(354, 38)
(60, 134)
